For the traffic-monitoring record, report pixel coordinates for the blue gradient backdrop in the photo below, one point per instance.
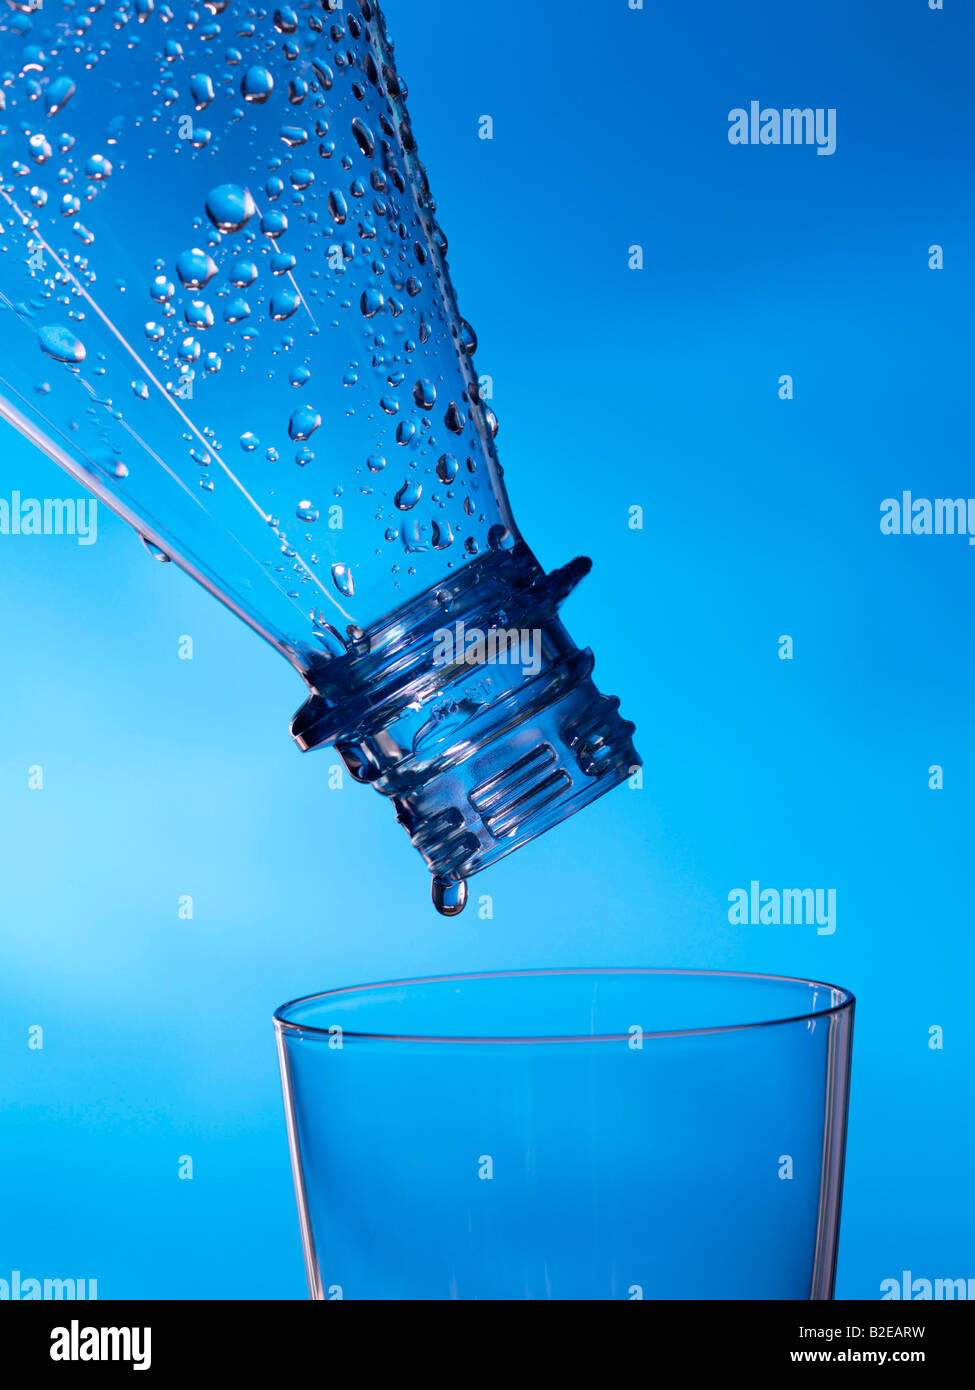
(615, 388)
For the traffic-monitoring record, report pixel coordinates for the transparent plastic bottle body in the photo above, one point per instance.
(225, 308)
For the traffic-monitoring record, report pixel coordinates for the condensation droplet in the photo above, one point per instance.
(303, 423)
(283, 304)
(230, 207)
(449, 897)
(201, 90)
(343, 581)
(446, 468)
(242, 274)
(364, 138)
(195, 269)
(408, 495)
(256, 85)
(371, 303)
(425, 395)
(61, 344)
(58, 94)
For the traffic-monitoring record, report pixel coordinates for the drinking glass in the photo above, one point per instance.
(569, 1134)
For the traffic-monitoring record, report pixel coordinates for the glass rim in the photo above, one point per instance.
(285, 1025)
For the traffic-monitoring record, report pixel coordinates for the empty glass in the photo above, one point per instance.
(569, 1134)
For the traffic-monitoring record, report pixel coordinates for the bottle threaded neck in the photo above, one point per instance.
(474, 712)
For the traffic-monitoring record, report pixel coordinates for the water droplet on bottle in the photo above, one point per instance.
(40, 149)
(447, 468)
(338, 207)
(154, 550)
(283, 304)
(61, 344)
(500, 538)
(274, 223)
(236, 310)
(304, 422)
(98, 168)
(375, 463)
(449, 897)
(441, 535)
(305, 511)
(249, 441)
(408, 495)
(242, 274)
(59, 92)
(230, 207)
(201, 90)
(282, 262)
(256, 85)
(371, 303)
(364, 138)
(405, 431)
(285, 21)
(453, 419)
(468, 338)
(299, 375)
(342, 578)
(140, 390)
(195, 269)
(161, 289)
(425, 394)
(198, 314)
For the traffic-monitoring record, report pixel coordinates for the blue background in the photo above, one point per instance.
(615, 388)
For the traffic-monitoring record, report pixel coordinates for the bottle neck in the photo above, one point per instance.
(474, 712)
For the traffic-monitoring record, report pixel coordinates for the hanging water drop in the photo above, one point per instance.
(449, 896)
